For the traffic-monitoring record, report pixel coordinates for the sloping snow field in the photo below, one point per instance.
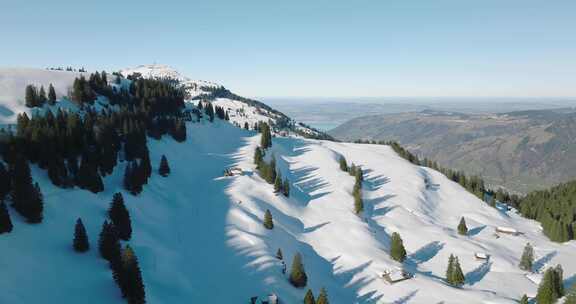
(199, 235)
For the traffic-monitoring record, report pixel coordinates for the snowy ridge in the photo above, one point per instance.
(199, 236)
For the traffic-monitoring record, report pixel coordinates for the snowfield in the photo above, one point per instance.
(199, 235)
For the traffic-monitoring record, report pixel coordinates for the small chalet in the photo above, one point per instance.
(233, 171)
(395, 276)
(481, 256)
(507, 230)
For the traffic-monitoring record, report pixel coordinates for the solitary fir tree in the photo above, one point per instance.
(397, 250)
(120, 217)
(278, 183)
(298, 277)
(462, 228)
(323, 297)
(5, 221)
(268, 222)
(286, 188)
(164, 169)
(527, 258)
(343, 164)
(279, 254)
(309, 297)
(134, 285)
(51, 95)
(81, 243)
(450, 268)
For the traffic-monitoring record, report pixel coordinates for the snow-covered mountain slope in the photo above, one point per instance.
(241, 110)
(199, 236)
(13, 82)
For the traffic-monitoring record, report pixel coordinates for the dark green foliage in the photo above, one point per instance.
(549, 290)
(120, 217)
(454, 274)
(298, 277)
(343, 164)
(286, 188)
(268, 222)
(80, 243)
(5, 221)
(323, 297)
(555, 209)
(527, 258)
(51, 95)
(82, 92)
(278, 183)
(135, 176)
(42, 96)
(26, 198)
(279, 254)
(31, 96)
(524, 299)
(164, 168)
(266, 137)
(397, 250)
(108, 243)
(134, 289)
(258, 156)
(88, 177)
(570, 298)
(462, 228)
(309, 297)
(5, 182)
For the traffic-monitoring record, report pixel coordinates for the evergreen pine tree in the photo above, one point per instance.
(5, 182)
(51, 95)
(42, 96)
(343, 164)
(298, 277)
(278, 183)
(286, 188)
(527, 258)
(31, 96)
(323, 297)
(26, 198)
(397, 250)
(80, 243)
(108, 242)
(120, 217)
(524, 300)
(5, 221)
(134, 285)
(462, 228)
(268, 222)
(458, 278)
(258, 157)
(164, 168)
(559, 282)
(547, 291)
(450, 269)
(279, 254)
(309, 297)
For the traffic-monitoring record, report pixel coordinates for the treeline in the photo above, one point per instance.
(473, 183)
(268, 171)
(355, 171)
(555, 209)
(38, 98)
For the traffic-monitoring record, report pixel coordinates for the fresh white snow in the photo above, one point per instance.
(199, 235)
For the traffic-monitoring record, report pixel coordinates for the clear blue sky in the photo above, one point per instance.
(311, 47)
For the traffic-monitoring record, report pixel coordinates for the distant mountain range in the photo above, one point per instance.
(522, 151)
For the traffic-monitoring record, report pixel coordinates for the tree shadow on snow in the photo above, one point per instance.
(376, 182)
(426, 253)
(541, 262)
(479, 273)
(316, 227)
(476, 230)
(407, 298)
(306, 186)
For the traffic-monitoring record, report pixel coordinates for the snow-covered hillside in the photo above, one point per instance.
(13, 82)
(199, 236)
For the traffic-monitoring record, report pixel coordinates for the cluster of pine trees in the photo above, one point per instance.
(322, 297)
(355, 171)
(552, 286)
(266, 170)
(37, 98)
(122, 261)
(26, 196)
(555, 209)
